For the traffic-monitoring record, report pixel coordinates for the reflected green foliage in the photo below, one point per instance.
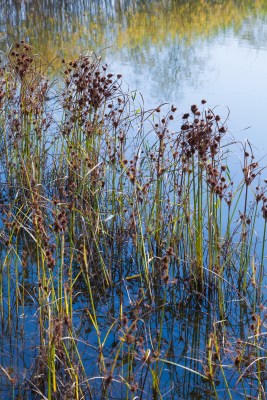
(60, 27)
(161, 39)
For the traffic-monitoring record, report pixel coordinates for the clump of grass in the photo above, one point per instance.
(126, 246)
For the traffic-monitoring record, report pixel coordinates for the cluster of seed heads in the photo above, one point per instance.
(21, 57)
(202, 135)
(88, 88)
(217, 181)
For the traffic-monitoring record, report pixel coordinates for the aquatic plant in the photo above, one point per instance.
(132, 264)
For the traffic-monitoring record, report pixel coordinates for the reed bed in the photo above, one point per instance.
(132, 263)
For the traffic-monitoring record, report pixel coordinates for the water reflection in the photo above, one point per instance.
(135, 28)
(171, 338)
(169, 43)
(168, 50)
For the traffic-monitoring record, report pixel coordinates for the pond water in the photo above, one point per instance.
(171, 51)
(157, 286)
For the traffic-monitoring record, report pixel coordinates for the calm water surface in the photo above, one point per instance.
(170, 51)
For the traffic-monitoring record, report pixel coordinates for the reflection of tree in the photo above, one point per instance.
(56, 27)
(170, 67)
(127, 23)
(254, 33)
(164, 35)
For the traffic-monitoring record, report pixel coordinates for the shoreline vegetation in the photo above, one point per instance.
(132, 263)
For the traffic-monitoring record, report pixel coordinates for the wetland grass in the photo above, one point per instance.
(132, 265)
